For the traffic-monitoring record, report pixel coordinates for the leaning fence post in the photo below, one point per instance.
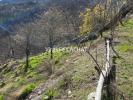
(105, 72)
(107, 55)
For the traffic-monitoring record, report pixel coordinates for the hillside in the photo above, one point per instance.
(17, 16)
(70, 75)
(66, 50)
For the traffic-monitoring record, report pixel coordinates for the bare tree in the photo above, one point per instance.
(24, 39)
(50, 27)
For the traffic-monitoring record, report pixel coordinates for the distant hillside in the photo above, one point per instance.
(14, 14)
(15, 1)
(16, 11)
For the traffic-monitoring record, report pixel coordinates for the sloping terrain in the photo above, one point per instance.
(70, 75)
(125, 64)
(14, 17)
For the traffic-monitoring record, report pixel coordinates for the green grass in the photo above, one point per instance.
(50, 93)
(1, 97)
(19, 79)
(35, 61)
(80, 70)
(28, 89)
(128, 26)
(125, 48)
(125, 65)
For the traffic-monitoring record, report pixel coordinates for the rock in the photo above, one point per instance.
(69, 93)
(39, 92)
(30, 96)
(93, 78)
(91, 96)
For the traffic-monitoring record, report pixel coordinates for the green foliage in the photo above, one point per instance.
(35, 61)
(20, 81)
(32, 74)
(125, 48)
(92, 17)
(27, 90)
(59, 54)
(128, 26)
(78, 79)
(49, 94)
(1, 97)
(129, 23)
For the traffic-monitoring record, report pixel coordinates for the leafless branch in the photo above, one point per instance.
(97, 65)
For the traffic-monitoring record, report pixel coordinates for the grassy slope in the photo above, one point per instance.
(73, 66)
(125, 65)
(76, 68)
(16, 81)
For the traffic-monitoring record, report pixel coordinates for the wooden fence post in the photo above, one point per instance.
(110, 80)
(104, 73)
(107, 55)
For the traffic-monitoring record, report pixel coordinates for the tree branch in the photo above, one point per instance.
(125, 9)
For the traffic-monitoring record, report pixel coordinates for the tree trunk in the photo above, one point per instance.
(51, 44)
(51, 53)
(27, 51)
(27, 60)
